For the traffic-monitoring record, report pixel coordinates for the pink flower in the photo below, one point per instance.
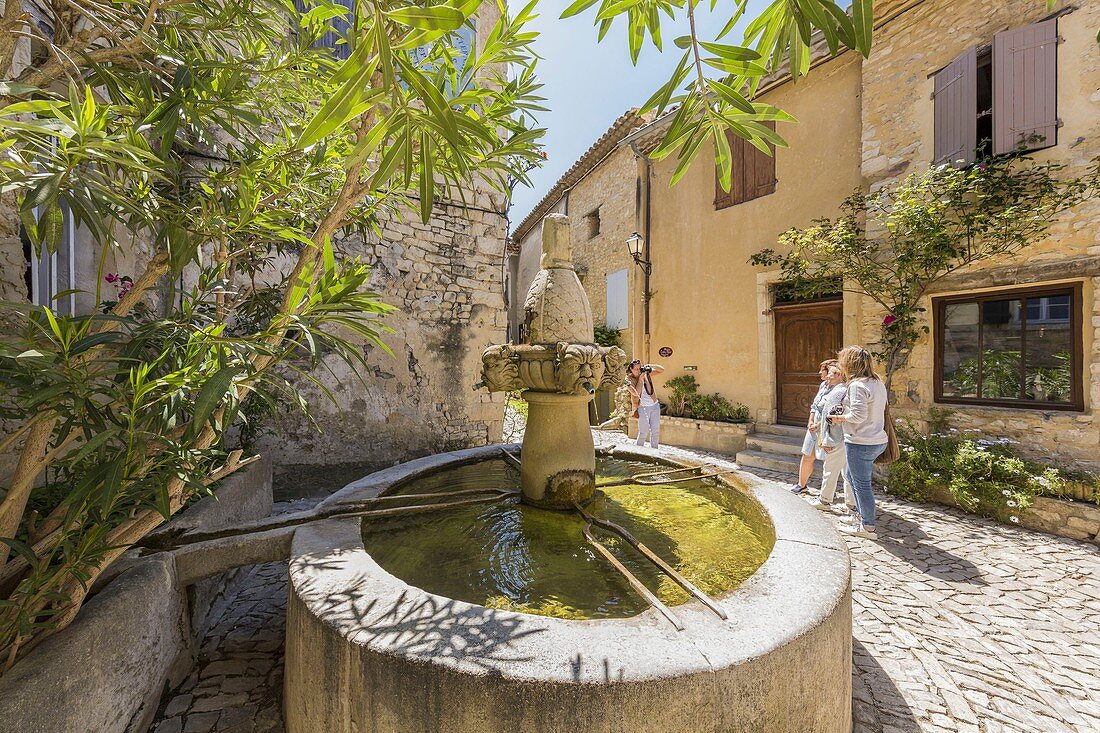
(889, 319)
(111, 277)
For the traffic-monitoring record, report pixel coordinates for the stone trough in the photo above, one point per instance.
(367, 652)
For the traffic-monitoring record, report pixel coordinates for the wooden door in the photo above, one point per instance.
(805, 335)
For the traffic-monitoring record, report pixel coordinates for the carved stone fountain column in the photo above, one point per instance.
(560, 368)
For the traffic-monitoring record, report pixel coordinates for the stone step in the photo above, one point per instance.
(771, 461)
(796, 431)
(787, 445)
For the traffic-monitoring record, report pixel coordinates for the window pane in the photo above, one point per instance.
(1001, 330)
(1049, 351)
(960, 350)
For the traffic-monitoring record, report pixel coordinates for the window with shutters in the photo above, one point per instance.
(1010, 347)
(752, 175)
(1000, 99)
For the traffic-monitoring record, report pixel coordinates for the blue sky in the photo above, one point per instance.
(587, 85)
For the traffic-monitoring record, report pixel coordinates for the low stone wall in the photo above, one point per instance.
(1077, 520)
(686, 432)
(107, 671)
(1074, 519)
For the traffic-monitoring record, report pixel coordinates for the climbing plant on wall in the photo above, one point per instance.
(891, 245)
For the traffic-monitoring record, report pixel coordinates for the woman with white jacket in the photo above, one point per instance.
(865, 438)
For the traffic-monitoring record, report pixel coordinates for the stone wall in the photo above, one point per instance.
(445, 279)
(724, 437)
(897, 139)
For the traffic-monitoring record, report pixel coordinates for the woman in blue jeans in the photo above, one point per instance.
(865, 439)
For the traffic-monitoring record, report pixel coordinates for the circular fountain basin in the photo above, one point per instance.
(368, 651)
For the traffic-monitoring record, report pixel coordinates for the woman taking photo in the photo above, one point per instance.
(640, 383)
(865, 437)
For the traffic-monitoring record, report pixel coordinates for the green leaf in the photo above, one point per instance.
(433, 18)
(863, 16)
(51, 227)
(210, 396)
(577, 8)
(731, 53)
(731, 96)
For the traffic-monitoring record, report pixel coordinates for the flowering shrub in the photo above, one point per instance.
(984, 476)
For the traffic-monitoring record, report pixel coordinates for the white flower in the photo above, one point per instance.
(936, 475)
(1006, 492)
(953, 430)
(1011, 503)
(1015, 520)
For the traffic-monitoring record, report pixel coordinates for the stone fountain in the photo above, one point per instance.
(400, 627)
(559, 368)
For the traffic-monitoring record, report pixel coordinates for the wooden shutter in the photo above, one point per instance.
(956, 110)
(736, 193)
(752, 174)
(1025, 88)
(759, 169)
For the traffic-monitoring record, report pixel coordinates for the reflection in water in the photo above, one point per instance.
(537, 561)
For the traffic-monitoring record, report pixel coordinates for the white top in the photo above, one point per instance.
(865, 412)
(647, 400)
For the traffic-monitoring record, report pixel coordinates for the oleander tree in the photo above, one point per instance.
(893, 244)
(212, 142)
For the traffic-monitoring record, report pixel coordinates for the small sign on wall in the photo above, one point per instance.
(665, 351)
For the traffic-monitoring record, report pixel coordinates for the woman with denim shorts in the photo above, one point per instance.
(813, 426)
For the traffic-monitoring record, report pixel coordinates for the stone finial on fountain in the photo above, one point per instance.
(556, 307)
(559, 368)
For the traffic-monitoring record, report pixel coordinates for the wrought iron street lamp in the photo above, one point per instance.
(634, 245)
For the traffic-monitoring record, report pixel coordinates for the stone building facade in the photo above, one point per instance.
(445, 279)
(898, 137)
(863, 124)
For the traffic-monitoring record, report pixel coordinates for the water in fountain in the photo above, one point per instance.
(522, 558)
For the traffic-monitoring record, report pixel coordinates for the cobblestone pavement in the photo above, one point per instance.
(960, 624)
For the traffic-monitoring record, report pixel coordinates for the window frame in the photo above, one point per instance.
(1077, 397)
(592, 223)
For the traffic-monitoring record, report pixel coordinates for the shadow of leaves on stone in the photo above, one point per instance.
(418, 625)
(904, 539)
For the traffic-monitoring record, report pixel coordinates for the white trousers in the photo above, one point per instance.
(831, 472)
(649, 425)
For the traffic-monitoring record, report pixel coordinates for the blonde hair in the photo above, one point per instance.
(827, 364)
(856, 363)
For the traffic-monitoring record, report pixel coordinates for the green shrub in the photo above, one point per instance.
(985, 477)
(717, 407)
(685, 401)
(605, 336)
(681, 390)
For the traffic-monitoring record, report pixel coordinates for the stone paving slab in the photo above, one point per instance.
(961, 625)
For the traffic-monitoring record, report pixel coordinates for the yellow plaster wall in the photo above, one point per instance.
(704, 292)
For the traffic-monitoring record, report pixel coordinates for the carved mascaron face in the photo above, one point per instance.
(614, 360)
(500, 369)
(579, 369)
